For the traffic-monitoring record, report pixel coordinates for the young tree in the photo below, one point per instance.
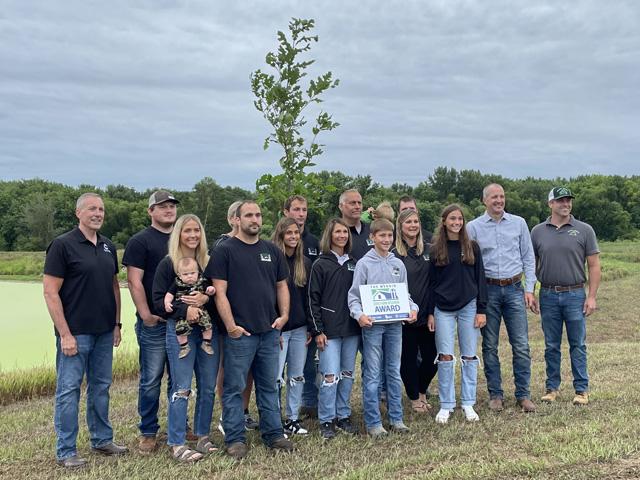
(282, 99)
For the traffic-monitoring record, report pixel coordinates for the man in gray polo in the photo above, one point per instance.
(562, 245)
(506, 252)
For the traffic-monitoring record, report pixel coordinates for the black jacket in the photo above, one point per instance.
(329, 285)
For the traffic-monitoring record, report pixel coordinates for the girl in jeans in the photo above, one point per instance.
(336, 334)
(294, 339)
(458, 286)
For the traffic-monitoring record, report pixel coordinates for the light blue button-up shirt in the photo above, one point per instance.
(506, 247)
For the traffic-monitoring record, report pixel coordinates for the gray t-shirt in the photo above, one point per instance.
(561, 252)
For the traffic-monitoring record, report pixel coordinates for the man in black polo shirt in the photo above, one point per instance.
(350, 205)
(250, 277)
(141, 257)
(83, 298)
(296, 207)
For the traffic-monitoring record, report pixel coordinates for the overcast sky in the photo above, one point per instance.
(156, 93)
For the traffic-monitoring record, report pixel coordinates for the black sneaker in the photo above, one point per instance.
(250, 423)
(327, 430)
(346, 426)
(293, 427)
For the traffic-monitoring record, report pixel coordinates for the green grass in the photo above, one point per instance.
(560, 441)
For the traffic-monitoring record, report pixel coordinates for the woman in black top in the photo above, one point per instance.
(414, 253)
(187, 240)
(458, 286)
(294, 338)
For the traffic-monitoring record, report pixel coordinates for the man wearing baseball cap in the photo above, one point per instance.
(141, 257)
(562, 245)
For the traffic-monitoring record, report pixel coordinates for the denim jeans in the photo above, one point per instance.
(337, 359)
(94, 358)
(468, 334)
(310, 387)
(375, 340)
(506, 303)
(294, 355)
(258, 352)
(557, 308)
(153, 362)
(205, 367)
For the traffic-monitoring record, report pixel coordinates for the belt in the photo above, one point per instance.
(505, 281)
(562, 288)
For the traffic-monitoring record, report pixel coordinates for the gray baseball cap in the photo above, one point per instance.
(161, 196)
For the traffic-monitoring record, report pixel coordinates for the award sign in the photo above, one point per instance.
(385, 302)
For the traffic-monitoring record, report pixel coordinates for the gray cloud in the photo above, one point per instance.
(157, 93)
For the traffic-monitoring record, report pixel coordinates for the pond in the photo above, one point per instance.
(27, 338)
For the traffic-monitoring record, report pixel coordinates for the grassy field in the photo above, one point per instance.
(559, 441)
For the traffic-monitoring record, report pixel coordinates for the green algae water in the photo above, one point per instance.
(27, 339)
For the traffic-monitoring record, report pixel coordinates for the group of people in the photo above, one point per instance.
(241, 314)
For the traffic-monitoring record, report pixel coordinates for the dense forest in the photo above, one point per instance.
(35, 211)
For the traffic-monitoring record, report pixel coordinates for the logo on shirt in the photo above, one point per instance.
(573, 232)
(351, 267)
(265, 257)
(395, 271)
(106, 248)
(426, 258)
(369, 242)
(312, 251)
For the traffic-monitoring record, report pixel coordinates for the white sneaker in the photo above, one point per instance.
(293, 427)
(470, 414)
(443, 415)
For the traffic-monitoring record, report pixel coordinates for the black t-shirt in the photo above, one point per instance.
(144, 251)
(360, 242)
(299, 305)
(311, 245)
(87, 296)
(251, 272)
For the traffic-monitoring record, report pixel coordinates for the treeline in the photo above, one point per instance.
(35, 211)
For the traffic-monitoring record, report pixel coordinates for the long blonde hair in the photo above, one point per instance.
(175, 251)
(401, 246)
(299, 273)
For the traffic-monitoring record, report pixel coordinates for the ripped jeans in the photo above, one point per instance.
(337, 365)
(468, 334)
(205, 367)
(294, 355)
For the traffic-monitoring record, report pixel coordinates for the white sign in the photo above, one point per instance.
(385, 302)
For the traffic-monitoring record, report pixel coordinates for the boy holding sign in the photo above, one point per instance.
(379, 301)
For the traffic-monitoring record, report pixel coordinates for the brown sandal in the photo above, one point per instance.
(205, 446)
(184, 454)
(420, 406)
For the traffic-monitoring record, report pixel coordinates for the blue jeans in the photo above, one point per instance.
(468, 334)
(338, 359)
(258, 352)
(375, 340)
(205, 367)
(94, 358)
(294, 354)
(310, 388)
(556, 309)
(153, 361)
(506, 303)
